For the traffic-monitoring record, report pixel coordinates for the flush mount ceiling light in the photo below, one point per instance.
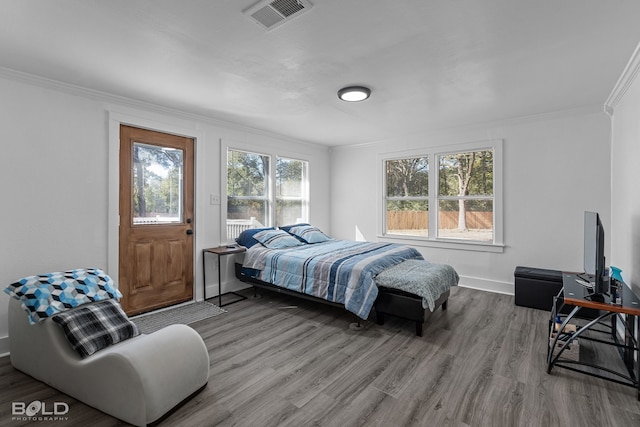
(354, 93)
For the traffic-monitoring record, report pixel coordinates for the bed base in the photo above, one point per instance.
(406, 306)
(392, 302)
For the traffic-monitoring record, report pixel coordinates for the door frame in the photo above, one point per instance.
(159, 124)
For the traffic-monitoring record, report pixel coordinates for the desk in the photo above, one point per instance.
(579, 297)
(220, 252)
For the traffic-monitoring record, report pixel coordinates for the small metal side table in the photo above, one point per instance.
(220, 252)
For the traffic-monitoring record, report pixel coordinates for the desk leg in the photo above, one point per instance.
(241, 297)
(636, 329)
(632, 345)
(204, 275)
(550, 359)
(219, 283)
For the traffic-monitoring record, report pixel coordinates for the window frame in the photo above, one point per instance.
(304, 196)
(387, 199)
(433, 240)
(272, 198)
(268, 197)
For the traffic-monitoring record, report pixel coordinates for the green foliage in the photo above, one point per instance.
(464, 174)
(157, 180)
(244, 209)
(247, 174)
(459, 174)
(289, 177)
(407, 177)
(470, 205)
(407, 205)
(248, 187)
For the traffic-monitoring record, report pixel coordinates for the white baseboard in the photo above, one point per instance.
(487, 285)
(4, 346)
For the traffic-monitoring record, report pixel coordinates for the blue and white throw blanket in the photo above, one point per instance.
(48, 294)
(340, 271)
(421, 278)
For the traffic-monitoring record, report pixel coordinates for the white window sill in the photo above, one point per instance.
(443, 243)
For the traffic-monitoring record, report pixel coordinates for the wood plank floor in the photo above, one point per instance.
(280, 361)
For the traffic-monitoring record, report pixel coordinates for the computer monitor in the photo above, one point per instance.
(594, 259)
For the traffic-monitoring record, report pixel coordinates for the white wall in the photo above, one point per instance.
(624, 103)
(555, 167)
(56, 177)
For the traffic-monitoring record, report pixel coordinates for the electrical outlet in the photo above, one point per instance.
(214, 199)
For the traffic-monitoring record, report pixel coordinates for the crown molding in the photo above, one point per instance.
(109, 98)
(624, 82)
(481, 126)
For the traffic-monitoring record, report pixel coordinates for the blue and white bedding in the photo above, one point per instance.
(340, 271)
(420, 278)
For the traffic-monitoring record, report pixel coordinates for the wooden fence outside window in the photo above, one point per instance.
(419, 220)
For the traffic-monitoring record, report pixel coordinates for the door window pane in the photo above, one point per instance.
(157, 184)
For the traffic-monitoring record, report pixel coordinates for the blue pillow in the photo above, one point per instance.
(309, 234)
(277, 239)
(246, 237)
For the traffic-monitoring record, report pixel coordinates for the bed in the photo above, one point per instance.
(300, 260)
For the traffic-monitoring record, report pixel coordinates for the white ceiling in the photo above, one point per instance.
(431, 64)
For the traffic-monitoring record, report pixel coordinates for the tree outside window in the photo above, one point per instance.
(407, 196)
(462, 195)
(248, 202)
(465, 195)
(157, 184)
(257, 193)
(291, 191)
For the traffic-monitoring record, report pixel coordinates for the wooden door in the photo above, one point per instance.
(156, 219)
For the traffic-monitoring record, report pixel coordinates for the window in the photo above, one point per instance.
(291, 191)
(465, 195)
(407, 196)
(248, 202)
(156, 184)
(445, 196)
(258, 193)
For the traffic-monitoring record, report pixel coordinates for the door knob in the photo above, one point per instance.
(189, 231)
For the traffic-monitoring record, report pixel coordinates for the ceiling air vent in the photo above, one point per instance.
(273, 13)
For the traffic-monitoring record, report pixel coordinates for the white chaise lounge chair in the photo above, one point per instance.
(138, 380)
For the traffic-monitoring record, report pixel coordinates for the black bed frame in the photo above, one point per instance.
(392, 302)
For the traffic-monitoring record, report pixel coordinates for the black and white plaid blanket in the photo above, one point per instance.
(92, 327)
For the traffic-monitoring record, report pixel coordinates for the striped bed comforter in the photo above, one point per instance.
(340, 271)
